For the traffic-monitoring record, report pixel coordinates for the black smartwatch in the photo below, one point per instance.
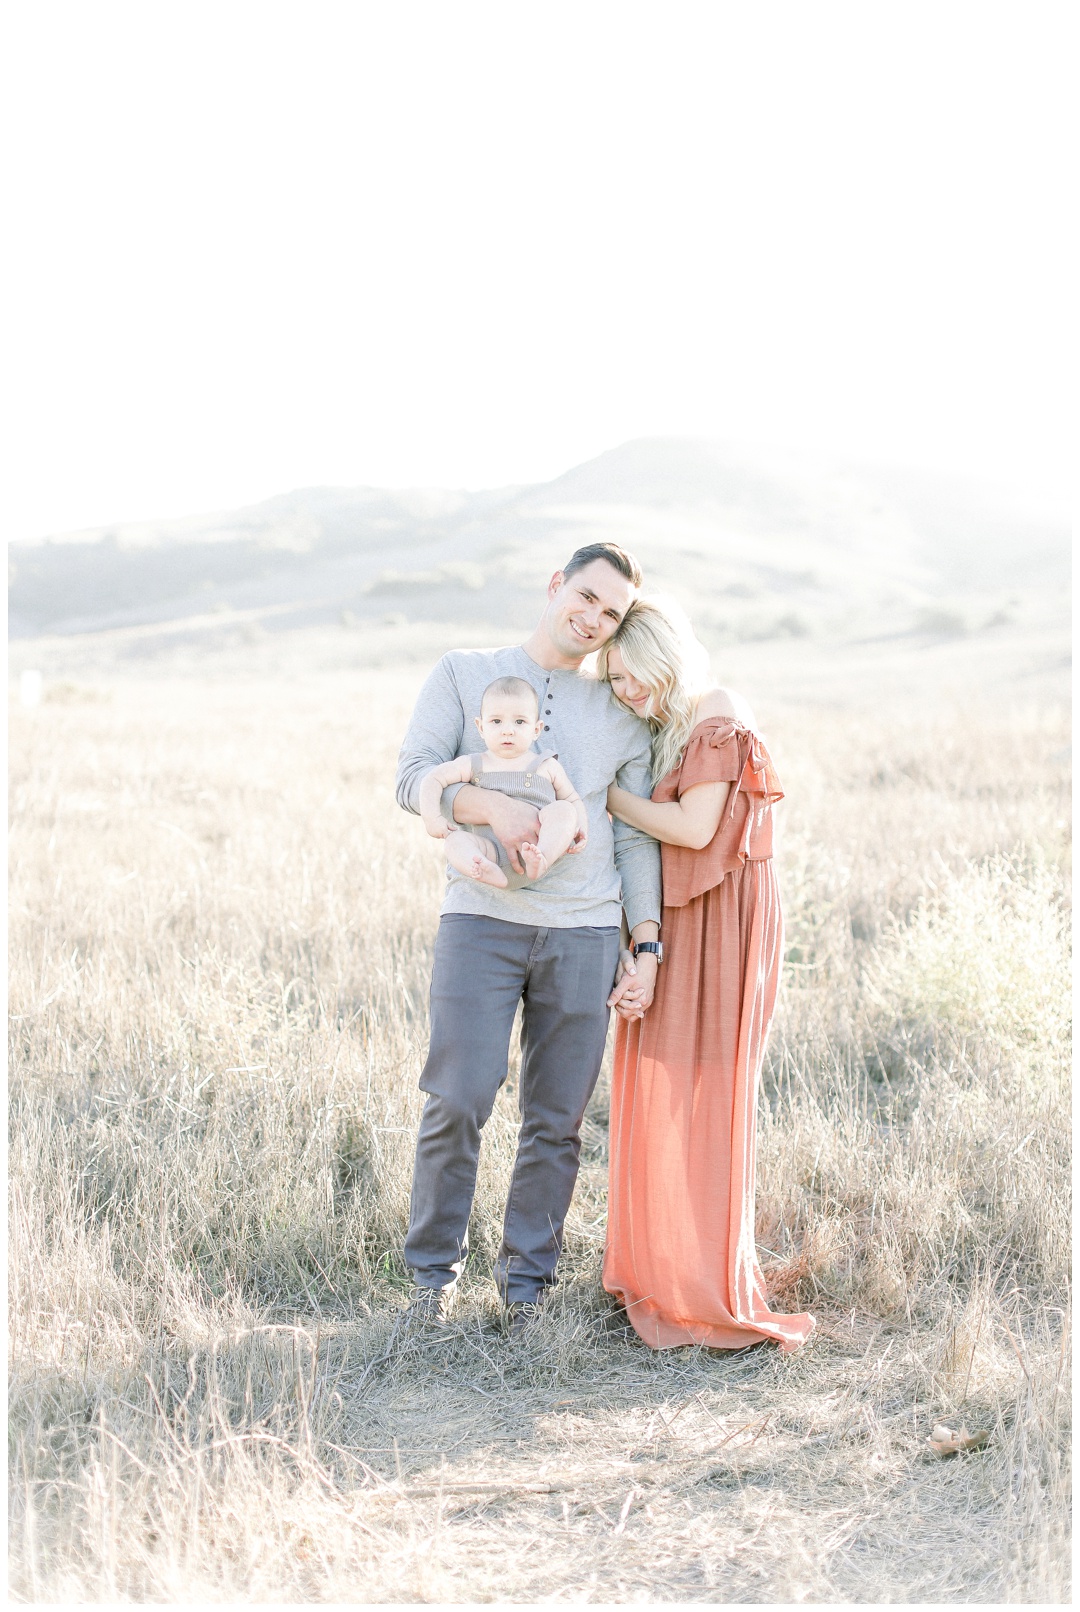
(656, 946)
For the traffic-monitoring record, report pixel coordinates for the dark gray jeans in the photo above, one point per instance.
(483, 967)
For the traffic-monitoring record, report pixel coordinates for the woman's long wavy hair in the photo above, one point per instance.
(659, 648)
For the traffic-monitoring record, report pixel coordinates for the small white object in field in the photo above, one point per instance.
(30, 685)
(950, 1441)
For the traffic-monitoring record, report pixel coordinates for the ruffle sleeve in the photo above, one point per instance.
(711, 756)
(721, 751)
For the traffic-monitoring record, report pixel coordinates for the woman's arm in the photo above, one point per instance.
(691, 821)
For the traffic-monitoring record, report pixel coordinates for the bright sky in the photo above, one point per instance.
(464, 243)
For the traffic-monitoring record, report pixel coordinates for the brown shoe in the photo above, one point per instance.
(429, 1308)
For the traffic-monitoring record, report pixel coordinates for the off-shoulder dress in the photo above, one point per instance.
(680, 1253)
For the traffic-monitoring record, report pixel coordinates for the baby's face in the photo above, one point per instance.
(508, 725)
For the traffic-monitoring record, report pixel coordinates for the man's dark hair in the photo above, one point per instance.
(616, 557)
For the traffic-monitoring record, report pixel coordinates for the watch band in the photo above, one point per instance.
(656, 946)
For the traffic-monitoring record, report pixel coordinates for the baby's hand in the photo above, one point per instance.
(578, 843)
(437, 827)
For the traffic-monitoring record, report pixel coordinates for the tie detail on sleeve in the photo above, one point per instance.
(721, 750)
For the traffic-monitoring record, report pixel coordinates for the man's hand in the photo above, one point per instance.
(513, 822)
(635, 985)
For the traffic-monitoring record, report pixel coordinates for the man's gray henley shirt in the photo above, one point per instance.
(598, 742)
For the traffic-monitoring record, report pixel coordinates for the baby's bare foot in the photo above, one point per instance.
(536, 863)
(487, 871)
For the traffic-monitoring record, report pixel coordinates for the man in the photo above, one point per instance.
(553, 945)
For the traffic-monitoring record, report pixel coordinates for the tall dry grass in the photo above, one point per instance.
(220, 934)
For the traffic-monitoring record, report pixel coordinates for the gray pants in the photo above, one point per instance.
(483, 968)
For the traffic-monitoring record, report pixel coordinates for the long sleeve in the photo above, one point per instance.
(594, 739)
(637, 855)
(433, 736)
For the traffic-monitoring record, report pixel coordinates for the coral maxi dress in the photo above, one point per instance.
(680, 1244)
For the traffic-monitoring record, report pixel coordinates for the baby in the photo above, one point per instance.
(509, 722)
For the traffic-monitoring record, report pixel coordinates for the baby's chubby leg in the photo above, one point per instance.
(558, 825)
(474, 856)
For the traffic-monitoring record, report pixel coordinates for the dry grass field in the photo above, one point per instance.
(220, 936)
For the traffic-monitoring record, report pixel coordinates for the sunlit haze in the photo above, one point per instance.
(268, 246)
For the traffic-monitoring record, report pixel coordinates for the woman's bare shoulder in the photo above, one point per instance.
(724, 702)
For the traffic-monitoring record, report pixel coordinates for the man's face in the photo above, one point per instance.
(508, 724)
(585, 609)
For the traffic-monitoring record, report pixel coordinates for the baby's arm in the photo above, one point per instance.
(564, 790)
(432, 785)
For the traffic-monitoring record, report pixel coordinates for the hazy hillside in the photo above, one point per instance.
(756, 547)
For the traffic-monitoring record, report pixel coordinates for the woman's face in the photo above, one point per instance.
(625, 686)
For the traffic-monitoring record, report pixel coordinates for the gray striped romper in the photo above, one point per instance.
(526, 786)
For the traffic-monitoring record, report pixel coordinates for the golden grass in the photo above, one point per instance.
(220, 933)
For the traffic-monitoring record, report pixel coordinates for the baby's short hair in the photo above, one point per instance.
(511, 685)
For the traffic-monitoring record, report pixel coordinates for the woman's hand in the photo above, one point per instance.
(635, 985)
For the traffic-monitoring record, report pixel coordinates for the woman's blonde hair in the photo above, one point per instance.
(659, 648)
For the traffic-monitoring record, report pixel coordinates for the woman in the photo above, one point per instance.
(680, 1246)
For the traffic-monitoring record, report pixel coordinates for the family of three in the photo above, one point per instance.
(608, 836)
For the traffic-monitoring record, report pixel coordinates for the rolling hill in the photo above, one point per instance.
(755, 546)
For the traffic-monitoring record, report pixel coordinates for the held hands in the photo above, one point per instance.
(635, 984)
